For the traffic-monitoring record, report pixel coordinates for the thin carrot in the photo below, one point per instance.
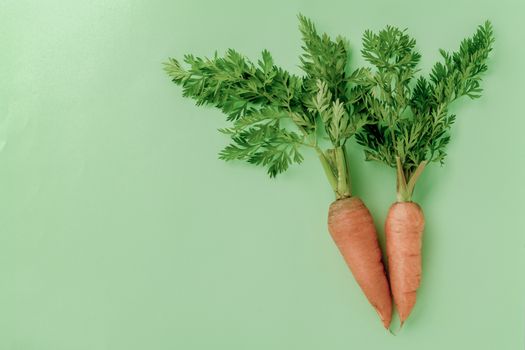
(404, 231)
(354, 233)
(410, 128)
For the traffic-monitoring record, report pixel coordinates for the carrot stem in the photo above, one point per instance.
(406, 190)
(348, 178)
(402, 192)
(415, 176)
(327, 170)
(336, 170)
(343, 183)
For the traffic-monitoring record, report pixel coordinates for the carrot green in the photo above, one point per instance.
(273, 114)
(410, 119)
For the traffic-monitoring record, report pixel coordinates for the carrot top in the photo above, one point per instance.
(410, 118)
(273, 113)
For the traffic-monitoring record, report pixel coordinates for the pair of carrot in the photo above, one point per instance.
(275, 114)
(409, 127)
(352, 228)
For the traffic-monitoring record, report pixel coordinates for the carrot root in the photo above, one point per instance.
(352, 229)
(404, 231)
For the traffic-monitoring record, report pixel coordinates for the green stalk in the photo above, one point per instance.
(327, 170)
(415, 176)
(336, 170)
(406, 190)
(348, 178)
(343, 183)
(402, 192)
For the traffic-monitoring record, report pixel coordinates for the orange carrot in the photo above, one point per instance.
(404, 230)
(274, 113)
(410, 128)
(353, 231)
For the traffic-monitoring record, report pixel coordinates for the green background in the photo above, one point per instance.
(120, 228)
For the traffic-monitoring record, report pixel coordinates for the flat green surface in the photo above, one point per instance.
(122, 230)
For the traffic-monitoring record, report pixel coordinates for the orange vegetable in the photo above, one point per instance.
(409, 128)
(353, 231)
(404, 231)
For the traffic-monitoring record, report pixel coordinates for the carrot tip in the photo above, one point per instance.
(386, 324)
(398, 329)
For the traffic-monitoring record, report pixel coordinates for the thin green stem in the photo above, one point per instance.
(405, 189)
(402, 193)
(348, 178)
(327, 169)
(415, 176)
(343, 185)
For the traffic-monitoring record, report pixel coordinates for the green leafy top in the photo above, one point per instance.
(411, 121)
(323, 60)
(255, 98)
(274, 113)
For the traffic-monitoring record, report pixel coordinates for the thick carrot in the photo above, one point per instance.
(404, 230)
(354, 233)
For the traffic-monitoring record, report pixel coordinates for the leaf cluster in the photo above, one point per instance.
(410, 116)
(323, 59)
(234, 84)
(340, 123)
(274, 113)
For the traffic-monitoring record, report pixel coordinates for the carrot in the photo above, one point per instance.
(274, 115)
(404, 230)
(353, 231)
(409, 128)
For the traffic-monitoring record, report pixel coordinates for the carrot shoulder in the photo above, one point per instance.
(404, 230)
(353, 231)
